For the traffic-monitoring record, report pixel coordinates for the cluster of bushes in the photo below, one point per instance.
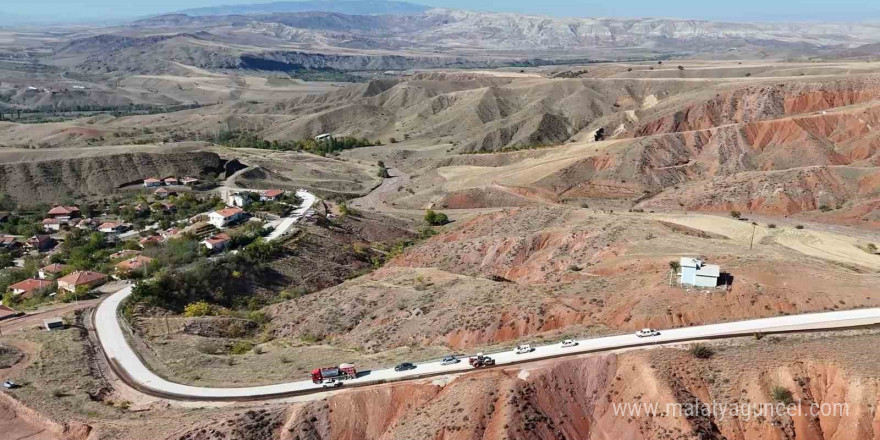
(224, 282)
(513, 148)
(250, 139)
(434, 218)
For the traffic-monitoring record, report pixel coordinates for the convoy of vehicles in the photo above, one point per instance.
(332, 377)
(342, 372)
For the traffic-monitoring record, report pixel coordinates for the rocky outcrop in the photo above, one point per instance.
(48, 181)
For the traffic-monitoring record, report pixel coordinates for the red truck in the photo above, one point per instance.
(481, 360)
(343, 371)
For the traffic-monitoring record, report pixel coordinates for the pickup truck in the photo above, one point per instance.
(522, 349)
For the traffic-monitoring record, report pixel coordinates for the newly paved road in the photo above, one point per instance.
(308, 199)
(121, 354)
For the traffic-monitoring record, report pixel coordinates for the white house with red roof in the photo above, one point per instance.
(270, 195)
(80, 278)
(225, 217)
(171, 181)
(29, 286)
(217, 242)
(112, 227)
(63, 213)
(51, 224)
(152, 182)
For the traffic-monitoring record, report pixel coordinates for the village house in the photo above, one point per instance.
(40, 243)
(217, 243)
(170, 233)
(51, 271)
(133, 264)
(161, 193)
(63, 213)
(152, 182)
(51, 225)
(8, 312)
(112, 227)
(81, 278)
(9, 242)
(270, 195)
(171, 181)
(241, 199)
(189, 181)
(225, 217)
(29, 286)
(85, 224)
(695, 272)
(151, 240)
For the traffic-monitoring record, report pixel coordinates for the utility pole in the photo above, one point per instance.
(752, 241)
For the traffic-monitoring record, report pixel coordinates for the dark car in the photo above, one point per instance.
(404, 366)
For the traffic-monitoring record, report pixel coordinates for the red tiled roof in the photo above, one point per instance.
(82, 277)
(217, 239)
(151, 180)
(54, 268)
(7, 239)
(151, 239)
(134, 263)
(6, 312)
(161, 191)
(110, 225)
(63, 210)
(51, 221)
(272, 192)
(229, 212)
(30, 285)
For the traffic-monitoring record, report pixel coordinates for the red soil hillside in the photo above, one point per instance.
(583, 398)
(531, 273)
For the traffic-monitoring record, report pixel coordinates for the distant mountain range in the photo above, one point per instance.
(353, 7)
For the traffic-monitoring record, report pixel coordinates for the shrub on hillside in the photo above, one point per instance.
(701, 351)
(436, 218)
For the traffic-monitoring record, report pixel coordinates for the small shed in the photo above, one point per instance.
(695, 272)
(53, 324)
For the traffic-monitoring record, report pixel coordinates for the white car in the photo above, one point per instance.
(449, 360)
(568, 343)
(647, 332)
(331, 383)
(522, 349)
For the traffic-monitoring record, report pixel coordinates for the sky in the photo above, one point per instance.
(739, 10)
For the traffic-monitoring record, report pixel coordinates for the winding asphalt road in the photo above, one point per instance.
(128, 365)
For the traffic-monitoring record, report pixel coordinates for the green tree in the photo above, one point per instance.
(434, 218)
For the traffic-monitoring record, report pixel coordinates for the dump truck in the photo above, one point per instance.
(481, 360)
(343, 371)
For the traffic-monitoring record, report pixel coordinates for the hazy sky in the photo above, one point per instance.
(739, 10)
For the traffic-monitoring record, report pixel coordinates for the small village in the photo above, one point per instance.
(74, 250)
